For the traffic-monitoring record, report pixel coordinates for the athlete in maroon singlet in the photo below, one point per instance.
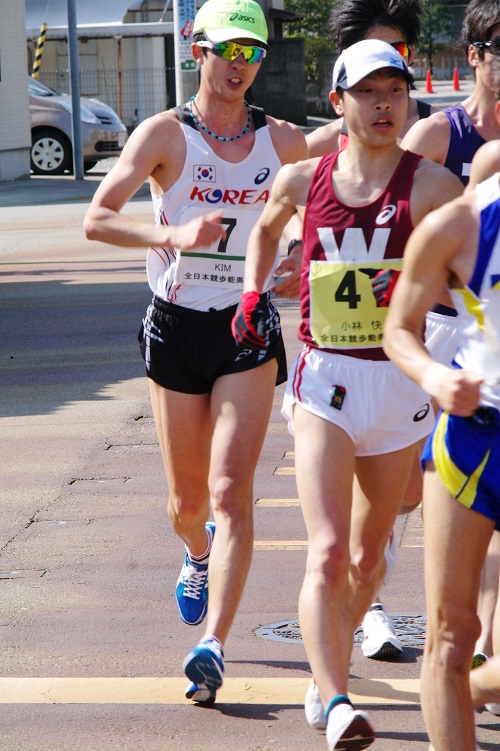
(356, 418)
(380, 229)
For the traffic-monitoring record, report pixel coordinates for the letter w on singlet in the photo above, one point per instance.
(354, 246)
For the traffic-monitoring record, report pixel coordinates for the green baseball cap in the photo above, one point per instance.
(226, 20)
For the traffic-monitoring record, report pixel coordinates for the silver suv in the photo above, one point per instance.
(103, 133)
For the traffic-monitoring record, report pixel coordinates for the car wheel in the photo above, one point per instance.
(50, 152)
(89, 165)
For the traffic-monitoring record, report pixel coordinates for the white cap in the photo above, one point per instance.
(360, 59)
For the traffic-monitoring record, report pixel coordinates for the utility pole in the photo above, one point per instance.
(75, 91)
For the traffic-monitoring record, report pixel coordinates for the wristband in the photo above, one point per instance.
(293, 243)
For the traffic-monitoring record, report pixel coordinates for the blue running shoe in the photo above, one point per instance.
(191, 591)
(199, 693)
(205, 666)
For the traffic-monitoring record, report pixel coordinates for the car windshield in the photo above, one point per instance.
(38, 88)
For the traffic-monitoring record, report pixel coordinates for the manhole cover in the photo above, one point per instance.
(410, 630)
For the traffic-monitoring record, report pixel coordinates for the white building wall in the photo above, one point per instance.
(15, 138)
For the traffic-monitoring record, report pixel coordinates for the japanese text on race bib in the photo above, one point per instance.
(344, 310)
(222, 263)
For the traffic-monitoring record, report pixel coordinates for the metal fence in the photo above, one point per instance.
(133, 94)
(136, 94)
(442, 69)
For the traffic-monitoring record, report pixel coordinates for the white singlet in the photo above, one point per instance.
(478, 303)
(212, 277)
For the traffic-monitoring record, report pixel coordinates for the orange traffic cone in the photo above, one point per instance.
(428, 83)
(456, 81)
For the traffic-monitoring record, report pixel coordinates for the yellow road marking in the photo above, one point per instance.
(284, 471)
(160, 690)
(280, 544)
(278, 502)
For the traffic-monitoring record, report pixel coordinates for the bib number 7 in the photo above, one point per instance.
(229, 225)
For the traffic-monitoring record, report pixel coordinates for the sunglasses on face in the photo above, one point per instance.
(405, 50)
(492, 46)
(231, 50)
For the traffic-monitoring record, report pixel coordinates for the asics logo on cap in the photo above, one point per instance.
(237, 17)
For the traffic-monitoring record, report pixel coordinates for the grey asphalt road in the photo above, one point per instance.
(91, 644)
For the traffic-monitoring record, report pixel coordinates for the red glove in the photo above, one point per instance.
(383, 284)
(251, 323)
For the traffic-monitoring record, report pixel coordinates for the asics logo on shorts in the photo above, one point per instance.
(386, 214)
(422, 413)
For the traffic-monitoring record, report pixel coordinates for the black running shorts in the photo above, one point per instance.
(187, 350)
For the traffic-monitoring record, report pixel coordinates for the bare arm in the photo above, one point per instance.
(324, 139)
(429, 137)
(290, 145)
(288, 140)
(144, 157)
(486, 161)
(321, 141)
(433, 186)
(438, 250)
(289, 286)
(288, 196)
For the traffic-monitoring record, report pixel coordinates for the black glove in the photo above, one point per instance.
(383, 284)
(252, 320)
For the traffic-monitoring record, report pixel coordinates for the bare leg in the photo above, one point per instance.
(184, 429)
(456, 540)
(336, 591)
(485, 683)
(241, 407)
(413, 493)
(325, 453)
(488, 596)
(375, 506)
(412, 498)
(210, 446)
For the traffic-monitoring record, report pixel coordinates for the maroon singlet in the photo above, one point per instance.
(352, 230)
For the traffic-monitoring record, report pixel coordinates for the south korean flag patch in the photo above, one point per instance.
(204, 173)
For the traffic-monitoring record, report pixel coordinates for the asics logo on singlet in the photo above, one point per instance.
(229, 197)
(237, 17)
(422, 413)
(386, 214)
(262, 175)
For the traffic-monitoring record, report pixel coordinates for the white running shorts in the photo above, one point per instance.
(380, 408)
(441, 336)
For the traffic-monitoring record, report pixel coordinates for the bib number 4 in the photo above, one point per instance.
(347, 292)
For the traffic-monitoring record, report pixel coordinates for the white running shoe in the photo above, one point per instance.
(493, 708)
(380, 641)
(391, 554)
(348, 729)
(313, 707)
(198, 692)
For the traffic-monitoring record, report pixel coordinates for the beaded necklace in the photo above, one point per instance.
(200, 125)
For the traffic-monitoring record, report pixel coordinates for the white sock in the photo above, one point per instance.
(201, 558)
